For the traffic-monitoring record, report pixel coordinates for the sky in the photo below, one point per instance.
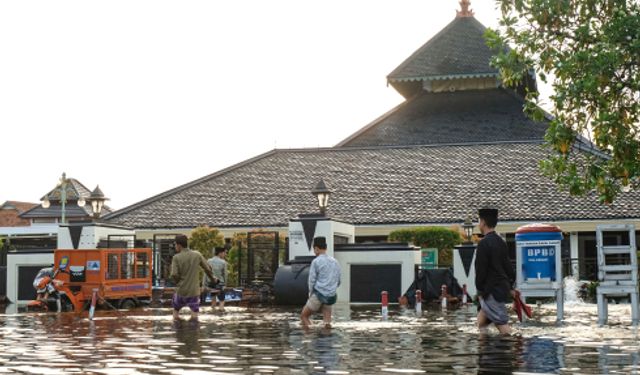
(139, 97)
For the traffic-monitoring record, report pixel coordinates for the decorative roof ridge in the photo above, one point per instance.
(445, 76)
(187, 185)
(442, 32)
(464, 11)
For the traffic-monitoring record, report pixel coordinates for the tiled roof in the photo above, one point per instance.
(17, 206)
(451, 117)
(10, 211)
(458, 50)
(75, 190)
(379, 185)
(72, 210)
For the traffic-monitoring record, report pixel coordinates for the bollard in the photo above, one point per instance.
(419, 302)
(464, 294)
(94, 299)
(385, 304)
(443, 295)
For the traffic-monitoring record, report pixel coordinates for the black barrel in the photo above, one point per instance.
(290, 283)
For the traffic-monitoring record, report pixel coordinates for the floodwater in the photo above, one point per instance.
(270, 340)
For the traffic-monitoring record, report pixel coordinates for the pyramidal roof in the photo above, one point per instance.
(457, 51)
(75, 189)
(73, 192)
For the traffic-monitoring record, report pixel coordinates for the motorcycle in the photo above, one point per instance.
(50, 295)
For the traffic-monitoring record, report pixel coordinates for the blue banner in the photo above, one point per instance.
(539, 262)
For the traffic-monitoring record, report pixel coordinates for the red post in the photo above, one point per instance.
(418, 301)
(464, 294)
(385, 304)
(94, 299)
(443, 296)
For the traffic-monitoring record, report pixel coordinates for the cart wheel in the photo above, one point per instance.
(127, 304)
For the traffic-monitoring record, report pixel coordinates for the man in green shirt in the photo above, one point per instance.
(184, 272)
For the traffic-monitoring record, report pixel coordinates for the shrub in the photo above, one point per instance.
(443, 239)
(205, 239)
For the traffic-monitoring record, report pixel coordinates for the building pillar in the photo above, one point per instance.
(575, 254)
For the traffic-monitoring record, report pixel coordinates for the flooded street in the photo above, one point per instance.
(270, 340)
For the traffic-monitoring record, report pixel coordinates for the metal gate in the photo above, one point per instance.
(163, 251)
(261, 257)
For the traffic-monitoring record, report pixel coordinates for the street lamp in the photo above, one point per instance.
(322, 193)
(468, 229)
(97, 200)
(62, 188)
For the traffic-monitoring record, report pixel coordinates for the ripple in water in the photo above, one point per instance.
(272, 341)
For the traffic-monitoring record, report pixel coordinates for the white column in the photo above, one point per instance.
(575, 264)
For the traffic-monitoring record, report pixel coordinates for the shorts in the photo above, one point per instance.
(495, 311)
(219, 293)
(179, 302)
(314, 304)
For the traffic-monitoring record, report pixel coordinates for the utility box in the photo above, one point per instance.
(539, 264)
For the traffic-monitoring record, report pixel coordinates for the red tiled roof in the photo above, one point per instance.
(10, 211)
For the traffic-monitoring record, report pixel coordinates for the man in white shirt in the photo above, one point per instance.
(324, 279)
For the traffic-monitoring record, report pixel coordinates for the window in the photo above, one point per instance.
(142, 265)
(112, 266)
(127, 265)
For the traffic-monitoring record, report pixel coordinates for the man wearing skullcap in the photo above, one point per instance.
(494, 274)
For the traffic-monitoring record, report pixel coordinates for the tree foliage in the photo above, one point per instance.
(443, 239)
(589, 51)
(205, 240)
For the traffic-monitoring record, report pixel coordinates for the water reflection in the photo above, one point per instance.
(272, 341)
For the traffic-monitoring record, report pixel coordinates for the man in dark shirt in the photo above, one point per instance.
(494, 274)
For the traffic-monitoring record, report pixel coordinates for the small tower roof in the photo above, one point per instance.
(457, 51)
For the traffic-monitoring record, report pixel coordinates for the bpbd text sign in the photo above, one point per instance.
(539, 261)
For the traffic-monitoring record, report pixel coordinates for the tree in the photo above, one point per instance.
(589, 50)
(440, 238)
(205, 239)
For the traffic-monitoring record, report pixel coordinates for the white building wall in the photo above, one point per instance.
(17, 260)
(407, 260)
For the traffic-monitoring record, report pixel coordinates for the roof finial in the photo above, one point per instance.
(464, 9)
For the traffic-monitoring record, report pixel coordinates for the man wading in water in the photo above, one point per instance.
(324, 279)
(494, 274)
(184, 272)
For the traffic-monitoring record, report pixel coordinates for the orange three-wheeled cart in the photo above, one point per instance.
(120, 276)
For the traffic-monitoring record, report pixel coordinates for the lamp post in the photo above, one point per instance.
(62, 188)
(97, 200)
(468, 229)
(322, 193)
